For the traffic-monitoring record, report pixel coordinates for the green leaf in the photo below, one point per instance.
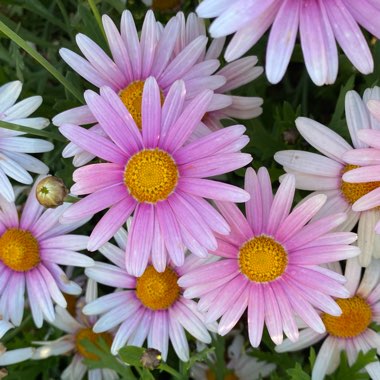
(132, 355)
(198, 357)
(41, 60)
(297, 373)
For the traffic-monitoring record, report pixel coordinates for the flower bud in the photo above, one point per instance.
(151, 358)
(51, 192)
(3, 373)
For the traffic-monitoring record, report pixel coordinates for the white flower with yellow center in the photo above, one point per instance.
(324, 173)
(351, 331)
(77, 328)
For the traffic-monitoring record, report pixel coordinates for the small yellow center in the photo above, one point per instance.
(356, 317)
(262, 259)
(19, 250)
(89, 335)
(131, 96)
(151, 175)
(157, 290)
(354, 191)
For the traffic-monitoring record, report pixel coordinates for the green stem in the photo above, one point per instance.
(32, 131)
(97, 16)
(168, 369)
(17, 330)
(41, 60)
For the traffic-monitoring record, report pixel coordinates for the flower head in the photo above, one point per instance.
(365, 165)
(150, 306)
(328, 173)
(178, 52)
(15, 162)
(350, 332)
(270, 263)
(31, 247)
(155, 175)
(320, 23)
(77, 330)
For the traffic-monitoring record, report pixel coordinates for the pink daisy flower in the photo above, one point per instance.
(31, 247)
(153, 175)
(320, 23)
(350, 332)
(77, 329)
(365, 174)
(270, 263)
(327, 174)
(177, 51)
(150, 306)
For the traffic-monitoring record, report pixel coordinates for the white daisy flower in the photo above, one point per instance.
(77, 329)
(241, 365)
(323, 172)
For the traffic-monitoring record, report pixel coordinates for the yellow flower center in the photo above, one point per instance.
(356, 317)
(262, 259)
(19, 250)
(156, 290)
(131, 96)
(354, 191)
(89, 335)
(151, 175)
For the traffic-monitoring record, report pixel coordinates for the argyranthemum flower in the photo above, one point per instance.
(14, 356)
(241, 365)
(350, 332)
(150, 306)
(77, 329)
(326, 173)
(237, 74)
(15, 162)
(31, 247)
(155, 176)
(134, 59)
(320, 23)
(270, 263)
(365, 173)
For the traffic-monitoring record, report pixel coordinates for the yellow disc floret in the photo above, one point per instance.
(19, 250)
(158, 290)
(354, 191)
(131, 96)
(89, 335)
(356, 317)
(262, 259)
(151, 175)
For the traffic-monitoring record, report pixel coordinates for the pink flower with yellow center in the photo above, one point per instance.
(175, 52)
(270, 263)
(350, 332)
(150, 306)
(155, 176)
(32, 245)
(321, 23)
(329, 173)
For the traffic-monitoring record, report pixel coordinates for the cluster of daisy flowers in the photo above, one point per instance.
(151, 153)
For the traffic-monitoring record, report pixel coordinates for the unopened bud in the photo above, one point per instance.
(2, 348)
(51, 192)
(3, 373)
(151, 358)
